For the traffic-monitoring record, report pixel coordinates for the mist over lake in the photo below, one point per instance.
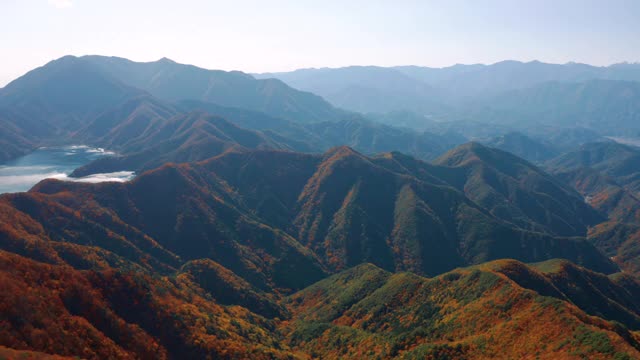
(54, 162)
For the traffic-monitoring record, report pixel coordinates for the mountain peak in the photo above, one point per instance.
(462, 154)
(64, 59)
(341, 153)
(166, 60)
(508, 62)
(476, 151)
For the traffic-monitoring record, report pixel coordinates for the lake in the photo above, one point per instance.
(54, 162)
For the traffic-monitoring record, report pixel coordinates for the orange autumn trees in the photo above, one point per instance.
(111, 314)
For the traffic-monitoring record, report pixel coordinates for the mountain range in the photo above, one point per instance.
(457, 80)
(515, 94)
(265, 222)
(116, 113)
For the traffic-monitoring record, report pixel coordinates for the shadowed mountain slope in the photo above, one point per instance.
(349, 208)
(185, 215)
(606, 174)
(340, 207)
(182, 138)
(519, 192)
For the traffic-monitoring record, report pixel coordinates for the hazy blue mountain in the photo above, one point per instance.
(480, 80)
(434, 76)
(171, 81)
(404, 118)
(145, 143)
(365, 88)
(564, 138)
(522, 146)
(48, 103)
(508, 92)
(85, 101)
(297, 135)
(454, 81)
(15, 140)
(371, 138)
(187, 137)
(358, 132)
(74, 101)
(607, 106)
(79, 97)
(66, 89)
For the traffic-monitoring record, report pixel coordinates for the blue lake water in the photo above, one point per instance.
(55, 162)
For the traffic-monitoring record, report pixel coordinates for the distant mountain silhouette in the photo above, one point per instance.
(607, 106)
(149, 131)
(519, 95)
(171, 81)
(453, 82)
(480, 80)
(50, 102)
(365, 88)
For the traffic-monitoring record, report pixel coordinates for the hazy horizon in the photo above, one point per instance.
(328, 67)
(285, 35)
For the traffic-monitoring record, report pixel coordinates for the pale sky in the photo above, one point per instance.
(283, 35)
